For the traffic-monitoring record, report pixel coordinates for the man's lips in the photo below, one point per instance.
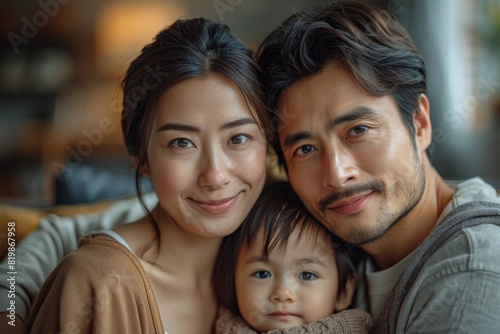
(349, 195)
(351, 205)
(216, 206)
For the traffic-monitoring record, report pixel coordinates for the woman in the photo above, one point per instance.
(193, 122)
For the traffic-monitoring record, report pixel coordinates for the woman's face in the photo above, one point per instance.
(206, 156)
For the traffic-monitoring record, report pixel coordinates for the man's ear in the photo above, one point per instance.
(344, 297)
(143, 169)
(422, 123)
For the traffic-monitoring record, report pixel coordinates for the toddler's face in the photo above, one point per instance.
(294, 286)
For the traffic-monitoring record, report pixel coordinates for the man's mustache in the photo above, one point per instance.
(359, 188)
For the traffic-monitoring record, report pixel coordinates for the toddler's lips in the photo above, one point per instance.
(282, 315)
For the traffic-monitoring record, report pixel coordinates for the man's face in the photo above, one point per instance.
(349, 155)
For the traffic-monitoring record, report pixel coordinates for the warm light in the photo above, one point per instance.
(123, 28)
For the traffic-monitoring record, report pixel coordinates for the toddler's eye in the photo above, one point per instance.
(262, 274)
(307, 276)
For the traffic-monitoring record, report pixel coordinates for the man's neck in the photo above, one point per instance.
(411, 231)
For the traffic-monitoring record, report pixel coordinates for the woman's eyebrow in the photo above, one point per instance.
(179, 127)
(191, 128)
(238, 122)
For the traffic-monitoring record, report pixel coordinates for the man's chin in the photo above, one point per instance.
(366, 240)
(360, 236)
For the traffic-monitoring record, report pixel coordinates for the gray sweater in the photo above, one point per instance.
(424, 280)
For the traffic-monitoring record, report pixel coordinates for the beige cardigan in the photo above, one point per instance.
(99, 288)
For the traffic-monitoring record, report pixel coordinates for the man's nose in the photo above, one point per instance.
(339, 167)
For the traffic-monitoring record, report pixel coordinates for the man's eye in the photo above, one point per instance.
(239, 139)
(306, 149)
(307, 276)
(262, 274)
(357, 130)
(181, 143)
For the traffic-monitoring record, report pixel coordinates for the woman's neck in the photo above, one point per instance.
(177, 251)
(179, 268)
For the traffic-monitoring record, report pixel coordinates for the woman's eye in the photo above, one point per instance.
(239, 139)
(307, 276)
(303, 150)
(357, 130)
(181, 143)
(262, 274)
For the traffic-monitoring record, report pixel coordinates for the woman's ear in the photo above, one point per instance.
(344, 297)
(143, 169)
(422, 123)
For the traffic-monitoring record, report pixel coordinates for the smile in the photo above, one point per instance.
(352, 205)
(216, 207)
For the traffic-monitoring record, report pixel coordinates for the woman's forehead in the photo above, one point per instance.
(196, 100)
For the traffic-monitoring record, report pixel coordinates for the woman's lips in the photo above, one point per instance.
(216, 207)
(353, 206)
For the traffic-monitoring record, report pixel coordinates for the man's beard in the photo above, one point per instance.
(407, 194)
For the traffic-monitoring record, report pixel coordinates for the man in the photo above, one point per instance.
(347, 89)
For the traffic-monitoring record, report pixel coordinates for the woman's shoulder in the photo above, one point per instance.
(97, 285)
(98, 254)
(99, 264)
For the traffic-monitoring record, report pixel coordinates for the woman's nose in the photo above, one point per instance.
(215, 172)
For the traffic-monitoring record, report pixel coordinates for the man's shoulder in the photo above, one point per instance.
(467, 238)
(476, 239)
(470, 249)
(458, 287)
(475, 189)
(474, 218)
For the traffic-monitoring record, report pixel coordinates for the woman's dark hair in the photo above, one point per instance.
(276, 214)
(189, 48)
(368, 41)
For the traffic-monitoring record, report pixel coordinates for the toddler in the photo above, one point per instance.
(282, 269)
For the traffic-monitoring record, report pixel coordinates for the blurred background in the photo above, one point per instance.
(61, 61)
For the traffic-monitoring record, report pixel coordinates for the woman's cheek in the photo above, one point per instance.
(172, 173)
(255, 164)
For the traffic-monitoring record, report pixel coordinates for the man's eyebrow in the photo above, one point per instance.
(190, 128)
(238, 122)
(291, 139)
(353, 115)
